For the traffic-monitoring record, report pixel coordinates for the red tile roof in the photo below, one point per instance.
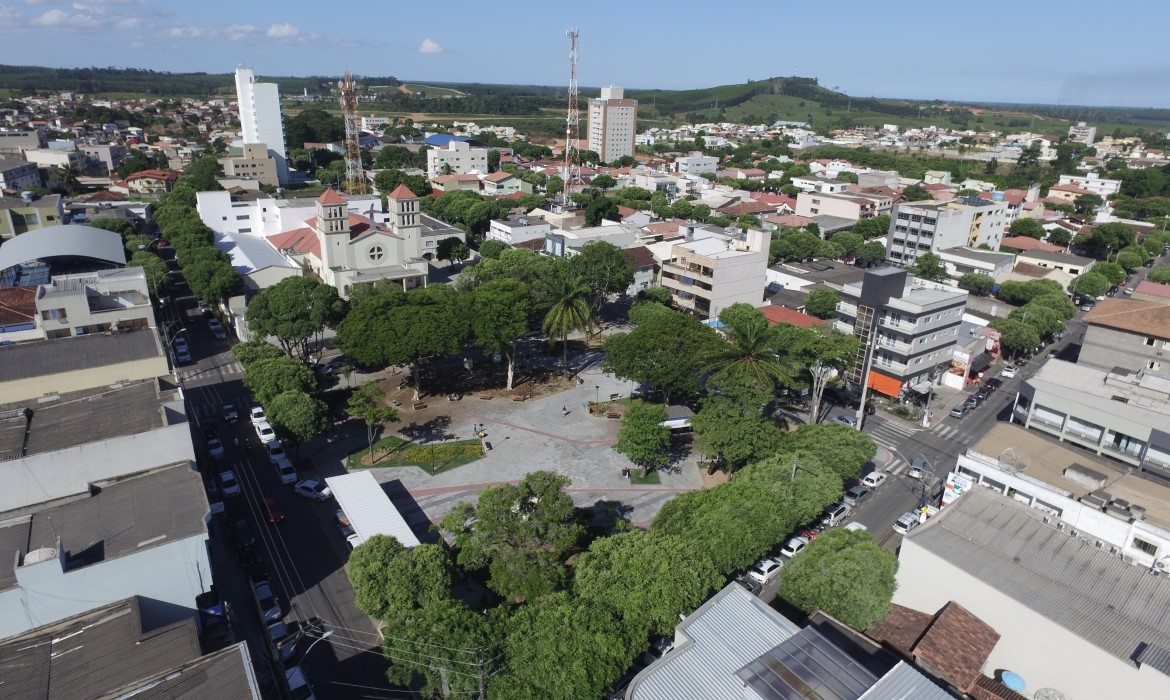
(498, 176)
(1154, 289)
(168, 175)
(302, 241)
(402, 192)
(639, 256)
(626, 211)
(956, 645)
(17, 305)
(1150, 318)
(779, 314)
(901, 628)
(330, 196)
(1026, 243)
(751, 206)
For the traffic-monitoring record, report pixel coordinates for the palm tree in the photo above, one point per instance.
(750, 359)
(569, 312)
(67, 177)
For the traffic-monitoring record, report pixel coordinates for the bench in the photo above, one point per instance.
(613, 414)
(419, 405)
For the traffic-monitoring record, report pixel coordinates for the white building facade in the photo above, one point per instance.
(459, 156)
(260, 118)
(613, 123)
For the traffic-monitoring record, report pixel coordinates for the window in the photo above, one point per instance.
(376, 253)
(245, 230)
(1146, 547)
(1154, 366)
(243, 217)
(1150, 342)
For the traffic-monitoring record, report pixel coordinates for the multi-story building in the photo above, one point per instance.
(825, 185)
(1094, 183)
(696, 164)
(254, 163)
(260, 118)
(908, 332)
(928, 227)
(844, 206)
(1083, 133)
(457, 158)
(517, 229)
(16, 142)
(1127, 333)
(706, 275)
(104, 158)
(372, 122)
(613, 123)
(152, 183)
(94, 302)
(21, 214)
(261, 214)
(19, 175)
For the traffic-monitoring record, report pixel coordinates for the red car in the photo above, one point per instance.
(273, 513)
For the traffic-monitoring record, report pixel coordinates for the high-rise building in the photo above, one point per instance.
(260, 117)
(613, 122)
(928, 227)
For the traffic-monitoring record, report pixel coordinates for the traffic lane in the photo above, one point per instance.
(881, 509)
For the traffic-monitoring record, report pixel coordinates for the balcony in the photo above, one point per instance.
(895, 345)
(898, 368)
(849, 310)
(691, 270)
(908, 328)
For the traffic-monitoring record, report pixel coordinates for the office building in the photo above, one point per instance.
(1082, 133)
(457, 158)
(613, 123)
(908, 331)
(252, 163)
(709, 271)
(260, 118)
(928, 227)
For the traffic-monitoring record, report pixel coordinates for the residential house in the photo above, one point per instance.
(706, 275)
(780, 314)
(21, 214)
(824, 185)
(1094, 183)
(921, 227)
(565, 243)
(696, 164)
(1127, 334)
(842, 206)
(1073, 265)
(1151, 291)
(456, 158)
(17, 176)
(454, 183)
(908, 331)
(1027, 243)
(152, 183)
(644, 266)
(963, 260)
(1067, 194)
(518, 229)
(501, 184)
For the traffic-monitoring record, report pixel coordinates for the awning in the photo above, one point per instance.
(922, 386)
(979, 363)
(884, 385)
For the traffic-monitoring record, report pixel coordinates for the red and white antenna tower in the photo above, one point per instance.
(571, 170)
(355, 182)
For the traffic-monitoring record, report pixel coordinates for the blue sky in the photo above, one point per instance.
(1071, 52)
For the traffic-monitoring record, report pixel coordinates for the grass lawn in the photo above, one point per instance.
(392, 451)
(650, 479)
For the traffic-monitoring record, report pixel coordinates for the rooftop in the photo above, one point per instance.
(827, 271)
(1027, 243)
(975, 254)
(1153, 289)
(1050, 256)
(24, 360)
(70, 240)
(1149, 318)
(249, 253)
(118, 518)
(780, 314)
(107, 651)
(1117, 607)
(1141, 398)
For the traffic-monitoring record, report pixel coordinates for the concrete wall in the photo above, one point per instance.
(63, 382)
(167, 577)
(1106, 348)
(1045, 654)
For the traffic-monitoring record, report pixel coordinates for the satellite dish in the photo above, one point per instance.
(1049, 694)
(1014, 460)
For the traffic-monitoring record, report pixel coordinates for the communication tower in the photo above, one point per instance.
(571, 169)
(355, 183)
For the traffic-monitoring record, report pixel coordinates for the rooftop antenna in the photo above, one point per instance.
(571, 169)
(354, 181)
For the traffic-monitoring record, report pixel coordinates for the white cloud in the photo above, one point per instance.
(128, 23)
(283, 31)
(60, 19)
(429, 47)
(239, 32)
(190, 31)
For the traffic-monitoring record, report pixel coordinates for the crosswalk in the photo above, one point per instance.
(213, 374)
(893, 435)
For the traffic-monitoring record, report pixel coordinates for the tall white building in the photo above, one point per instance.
(460, 157)
(260, 117)
(613, 123)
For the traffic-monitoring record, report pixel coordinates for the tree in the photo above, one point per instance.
(735, 432)
(663, 351)
(1059, 236)
(1161, 275)
(554, 186)
(823, 351)
(293, 311)
(977, 283)
(297, 415)
(452, 248)
(991, 167)
(871, 252)
(1016, 335)
(444, 642)
(1029, 156)
(600, 209)
(521, 532)
(388, 180)
(917, 193)
(849, 241)
(569, 312)
(822, 303)
(366, 404)
(67, 178)
(605, 269)
(390, 580)
(844, 573)
(1110, 237)
(1111, 271)
(750, 360)
(491, 249)
(1086, 203)
(254, 351)
(268, 378)
(929, 267)
(153, 267)
(643, 438)
(649, 580)
(1028, 227)
(1020, 293)
(563, 647)
(1090, 284)
(873, 227)
(1130, 261)
(500, 313)
(604, 182)
(837, 448)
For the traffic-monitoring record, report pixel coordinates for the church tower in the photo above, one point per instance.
(407, 220)
(333, 229)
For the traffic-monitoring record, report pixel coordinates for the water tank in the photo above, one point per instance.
(27, 196)
(997, 196)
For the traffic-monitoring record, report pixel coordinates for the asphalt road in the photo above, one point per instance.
(303, 556)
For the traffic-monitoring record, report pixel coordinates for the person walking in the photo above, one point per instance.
(564, 410)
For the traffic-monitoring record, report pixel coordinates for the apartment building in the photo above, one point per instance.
(517, 229)
(19, 175)
(928, 227)
(1093, 182)
(260, 118)
(613, 123)
(456, 158)
(843, 206)
(1083, 133)
(1127, 333)
(696, 164)
(909, 332)
(21, 214)
(707, 275)
(104, 158)
(254, 163)
(824, 185)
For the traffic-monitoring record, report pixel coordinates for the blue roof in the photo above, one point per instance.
(443, 139)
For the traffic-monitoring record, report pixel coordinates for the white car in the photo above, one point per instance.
(907, 522)
(182, 356)
(265, 432)
(1009, 372)
(215, 447)
(313, 489)
(228, 484)
(875, 479)
(216, 329)
(794, 546)
(847, 421)
(257, 415)
(765, 569)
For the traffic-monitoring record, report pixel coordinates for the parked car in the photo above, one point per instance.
(857, 527)
(229, 412)
(215, 448)
(265, 432)
(257, 415)
(794, 546)
(266, 600)
(906, 522)
(875, 479)
(284, 643)
(273, 513)
(836, 513)
(204, 308)
(286, 471)
(847, 421)
(216, 329)
(275, 451)
(180, 343)
(1129, 290)
(313, 489)
(750, 585)
(1009, 372)
(242, 532)
(342, 521)
(182, 356)
(917, 468)
(661, 647)
(993, 383)
(984, 392)
(228, 484)
(855, 495)
(960, 410)
(765, 570)
(298, 684)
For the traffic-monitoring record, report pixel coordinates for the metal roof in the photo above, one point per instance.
(369, 509)
(904, 681)
(805, 665)
(1116, 606)
(249, 253)
(71, 240)
(1089, 386)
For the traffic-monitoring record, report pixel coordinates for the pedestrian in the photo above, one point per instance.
(564, 410)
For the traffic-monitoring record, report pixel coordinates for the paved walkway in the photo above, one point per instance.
(526, 436)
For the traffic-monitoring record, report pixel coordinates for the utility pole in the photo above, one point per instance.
(481, 672)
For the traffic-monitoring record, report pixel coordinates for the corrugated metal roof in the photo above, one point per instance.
(1097, 596)
(369, 509)
(904, 682)
(249, 253)
(73, 240)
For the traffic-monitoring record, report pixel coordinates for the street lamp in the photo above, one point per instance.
(596, 393)
(326, 635)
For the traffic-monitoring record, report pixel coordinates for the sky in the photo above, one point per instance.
(1030, 51)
